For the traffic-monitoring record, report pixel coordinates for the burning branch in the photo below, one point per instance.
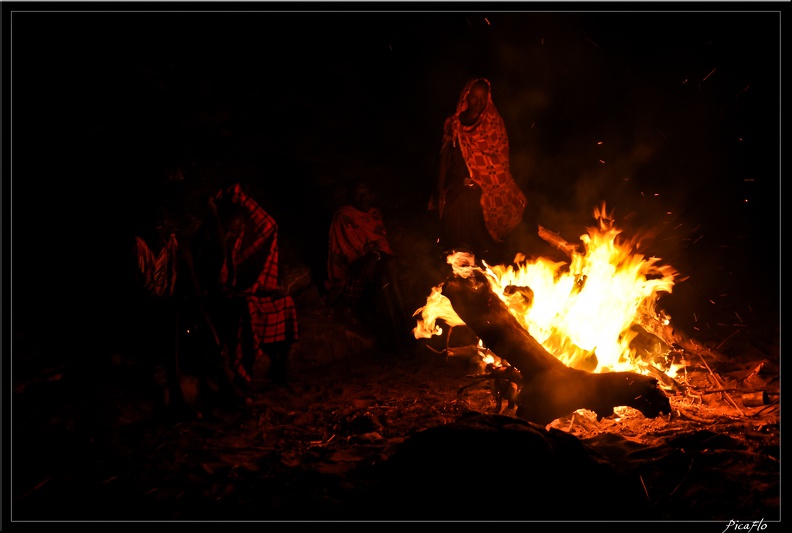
(557, 241)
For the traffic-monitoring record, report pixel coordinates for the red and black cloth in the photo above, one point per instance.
(250, 272)
(485, 148)
(353, 234)
(157, 272)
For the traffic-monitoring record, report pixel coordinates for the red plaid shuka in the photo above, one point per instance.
(485, 147)
(353, 234)
(252, 272)
(157, 272)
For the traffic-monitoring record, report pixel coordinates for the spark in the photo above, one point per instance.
(487, 21)
(601, 161)
(710, 74)
(646, 491)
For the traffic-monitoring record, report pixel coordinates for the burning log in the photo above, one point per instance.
(550, 389)
(557, 241)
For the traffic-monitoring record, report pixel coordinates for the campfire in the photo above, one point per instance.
(559, 336)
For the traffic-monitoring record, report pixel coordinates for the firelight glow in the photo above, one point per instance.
(583, 311)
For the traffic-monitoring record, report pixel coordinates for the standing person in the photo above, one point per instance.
(254, 315)
(165, 287)
(174, 272)
(478, 201)
(362, 268)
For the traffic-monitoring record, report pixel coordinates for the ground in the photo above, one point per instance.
(92, 442)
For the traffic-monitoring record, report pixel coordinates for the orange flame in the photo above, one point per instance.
(583, 312)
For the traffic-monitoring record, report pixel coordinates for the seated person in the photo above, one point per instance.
(362, 269)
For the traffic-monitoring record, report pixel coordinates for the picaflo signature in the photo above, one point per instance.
(736, 525)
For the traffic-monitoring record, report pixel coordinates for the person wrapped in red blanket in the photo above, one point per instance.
(477, 199)
(362, 269)
(254, 316)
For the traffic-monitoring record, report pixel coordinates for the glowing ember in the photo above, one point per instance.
(585, 312)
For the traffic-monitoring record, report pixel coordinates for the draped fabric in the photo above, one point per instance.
(157, 272)
(250, 273)
(485, 148)
(353, 234)
(462, 224)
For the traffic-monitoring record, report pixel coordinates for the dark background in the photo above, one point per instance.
(670, 116)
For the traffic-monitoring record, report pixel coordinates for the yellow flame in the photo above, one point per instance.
(583, 311)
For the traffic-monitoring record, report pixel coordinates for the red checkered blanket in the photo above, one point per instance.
(269, 314)
(485, 147)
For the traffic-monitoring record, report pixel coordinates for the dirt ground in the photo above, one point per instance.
(365, 434)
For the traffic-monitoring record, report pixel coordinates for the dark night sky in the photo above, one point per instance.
(686, 105)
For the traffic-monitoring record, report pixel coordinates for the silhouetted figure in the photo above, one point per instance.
(362, 270)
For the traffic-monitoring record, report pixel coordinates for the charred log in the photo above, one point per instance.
(550, 389)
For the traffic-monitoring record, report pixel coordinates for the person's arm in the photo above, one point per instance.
(440, 194)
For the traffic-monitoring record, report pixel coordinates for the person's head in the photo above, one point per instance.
(362, 195)
(232, 218)
(477, 98)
